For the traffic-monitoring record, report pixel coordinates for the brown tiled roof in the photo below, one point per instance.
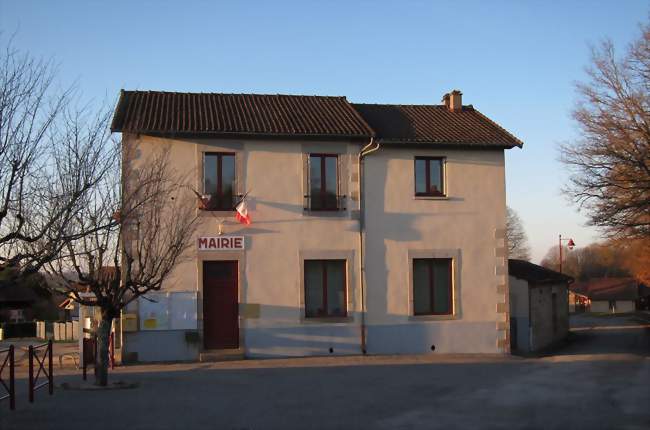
(434, 124)
(534, 273)
(611, 289)
(156, 112)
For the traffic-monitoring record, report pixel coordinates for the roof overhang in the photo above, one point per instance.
(261, 136)
(447, 145)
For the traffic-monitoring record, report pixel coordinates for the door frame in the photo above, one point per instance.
(240, 258)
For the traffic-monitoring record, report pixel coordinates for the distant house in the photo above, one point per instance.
(539, 312)
(70, 309)
(578, 302)
(615, 295)
(16, 302)
(28, 299)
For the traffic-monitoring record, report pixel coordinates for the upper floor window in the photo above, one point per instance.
(429, 176)
(323, 182)
(432, 286)
(219, 181)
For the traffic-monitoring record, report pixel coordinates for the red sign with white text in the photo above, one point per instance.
(221, 243)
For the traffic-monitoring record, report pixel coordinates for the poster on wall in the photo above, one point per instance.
(154, 311)
(183, 310)
(168, 311)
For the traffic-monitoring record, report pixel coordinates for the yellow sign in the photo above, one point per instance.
(150, 323)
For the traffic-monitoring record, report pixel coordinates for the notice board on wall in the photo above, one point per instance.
(168, 311)
(183, 310)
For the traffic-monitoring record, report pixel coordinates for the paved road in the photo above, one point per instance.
(609, 335)
(599, 381)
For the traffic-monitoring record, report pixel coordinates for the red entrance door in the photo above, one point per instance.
(220, 305)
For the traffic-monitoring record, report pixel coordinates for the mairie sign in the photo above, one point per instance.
(221, 243)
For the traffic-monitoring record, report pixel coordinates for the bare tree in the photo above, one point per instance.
(595, 260)
(611, 162)
(52, 155)
(634, 256)
(74, 203)
(142, 223)
(516, 236)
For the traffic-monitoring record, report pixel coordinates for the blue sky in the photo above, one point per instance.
(515, 61)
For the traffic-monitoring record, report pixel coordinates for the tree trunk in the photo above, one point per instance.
(103, 339)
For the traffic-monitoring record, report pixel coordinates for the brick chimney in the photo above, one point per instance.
(453, 101)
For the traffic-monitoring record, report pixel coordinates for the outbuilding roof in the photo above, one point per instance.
(435, 124)
(535, 274)
(157, 112)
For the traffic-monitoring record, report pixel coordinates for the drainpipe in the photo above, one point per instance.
(369, 148)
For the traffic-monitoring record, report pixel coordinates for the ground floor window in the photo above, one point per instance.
(432, 286)
(325, 282)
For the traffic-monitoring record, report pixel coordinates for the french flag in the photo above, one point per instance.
(241, 212)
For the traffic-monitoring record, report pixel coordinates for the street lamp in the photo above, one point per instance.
(571, 244)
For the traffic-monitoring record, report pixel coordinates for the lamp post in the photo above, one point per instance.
(571, 244)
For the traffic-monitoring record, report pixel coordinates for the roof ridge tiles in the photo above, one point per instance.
(401, 104)
(233, 94)
(466, 108)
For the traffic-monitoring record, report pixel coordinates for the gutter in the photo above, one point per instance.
(239, 134)
(368, 149)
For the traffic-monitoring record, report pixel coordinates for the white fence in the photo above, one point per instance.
(60, 330)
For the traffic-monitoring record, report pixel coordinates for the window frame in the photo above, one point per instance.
(323, 262)
(430, 260)
(220, 155)
(323, 182)
(443, 182)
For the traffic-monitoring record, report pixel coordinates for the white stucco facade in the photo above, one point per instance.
(613, 306)
(467, 226)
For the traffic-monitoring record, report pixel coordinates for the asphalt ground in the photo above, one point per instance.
(599, 380)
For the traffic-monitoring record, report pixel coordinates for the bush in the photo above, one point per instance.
(21, 329)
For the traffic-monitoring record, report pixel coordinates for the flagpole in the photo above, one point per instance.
(243, 197)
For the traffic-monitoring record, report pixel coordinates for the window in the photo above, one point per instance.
(325, 295)
(323, 182)
(218, 181)
(429, 176)
(432, 286)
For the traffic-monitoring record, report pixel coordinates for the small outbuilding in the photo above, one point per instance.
(539, 306)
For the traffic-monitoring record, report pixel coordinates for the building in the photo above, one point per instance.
(614, 295)
(539, 312)
(578, 302)
(25, 299)
(16, 302)
(376, 228)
